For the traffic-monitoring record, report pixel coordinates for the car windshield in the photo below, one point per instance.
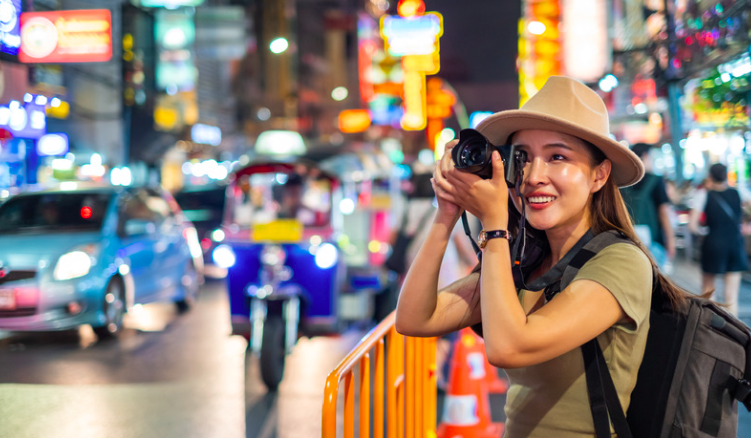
(54, 211)
(265, 197)
(204, 205)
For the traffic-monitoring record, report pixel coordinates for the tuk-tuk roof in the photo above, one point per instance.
(302, 167)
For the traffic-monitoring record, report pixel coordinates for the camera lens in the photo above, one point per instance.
(473, 154)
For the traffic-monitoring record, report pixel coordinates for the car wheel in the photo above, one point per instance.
(190, 287)
(113, 306)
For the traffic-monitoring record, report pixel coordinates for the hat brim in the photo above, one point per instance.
(627, 169)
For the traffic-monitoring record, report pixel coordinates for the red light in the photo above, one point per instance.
(205, 243)
(86, 212)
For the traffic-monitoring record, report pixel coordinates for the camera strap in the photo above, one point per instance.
(520, 240)
(468, 232)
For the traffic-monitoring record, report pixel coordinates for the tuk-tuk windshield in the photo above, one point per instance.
(264, 197)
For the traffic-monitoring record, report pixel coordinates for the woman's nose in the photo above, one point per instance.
(536, 172)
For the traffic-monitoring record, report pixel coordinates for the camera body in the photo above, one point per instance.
(474, 152)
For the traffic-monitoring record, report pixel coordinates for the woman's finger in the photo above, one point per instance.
(441, 193)
(444, 185)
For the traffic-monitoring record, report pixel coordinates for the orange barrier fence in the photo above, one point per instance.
(403, 395)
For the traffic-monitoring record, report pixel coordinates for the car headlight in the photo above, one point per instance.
(326, 256)
(72, 265)
(224, 256)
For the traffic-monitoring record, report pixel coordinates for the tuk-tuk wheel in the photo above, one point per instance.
(272, 352)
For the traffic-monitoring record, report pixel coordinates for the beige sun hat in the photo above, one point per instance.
(568, 106)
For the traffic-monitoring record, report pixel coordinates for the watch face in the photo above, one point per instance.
(481, 239)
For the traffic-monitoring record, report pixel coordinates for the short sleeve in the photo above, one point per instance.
(625, 271)
(699, 200)
(660, 193)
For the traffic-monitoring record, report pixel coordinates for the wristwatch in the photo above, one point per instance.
(484, 236)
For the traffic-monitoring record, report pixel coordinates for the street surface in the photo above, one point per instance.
(173, 375)
(169, 375)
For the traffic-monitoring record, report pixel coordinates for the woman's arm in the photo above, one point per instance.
(516, 335)
(514, 339)
(422, 310)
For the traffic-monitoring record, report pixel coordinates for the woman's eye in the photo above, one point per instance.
(557, 157)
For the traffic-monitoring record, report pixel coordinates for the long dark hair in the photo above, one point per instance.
(607, 211)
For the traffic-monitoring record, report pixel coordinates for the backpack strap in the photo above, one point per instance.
(603, 397)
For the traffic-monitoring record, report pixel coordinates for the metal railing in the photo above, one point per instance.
(403, 394)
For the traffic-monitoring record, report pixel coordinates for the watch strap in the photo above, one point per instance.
(493, 234)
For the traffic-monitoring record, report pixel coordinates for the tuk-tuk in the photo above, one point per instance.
(283, 251)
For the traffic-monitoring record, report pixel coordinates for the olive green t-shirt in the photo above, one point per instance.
(550, 399)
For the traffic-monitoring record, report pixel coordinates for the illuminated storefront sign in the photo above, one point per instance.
(586, 45)
(23, 121)
(10, 27)
(66, 36)
(175, 33)
(414, 36)
(539, 46)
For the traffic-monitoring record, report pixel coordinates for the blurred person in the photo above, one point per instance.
(569, 187)
(723, 249)
(291, 201)
(651, 210)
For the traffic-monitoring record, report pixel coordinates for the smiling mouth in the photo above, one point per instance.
(541, 199)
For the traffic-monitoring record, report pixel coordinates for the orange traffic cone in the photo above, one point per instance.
(466, 411)
(496, 384)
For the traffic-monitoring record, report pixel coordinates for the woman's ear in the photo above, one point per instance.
(601, 175)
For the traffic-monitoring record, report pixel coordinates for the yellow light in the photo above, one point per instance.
(415, 112)
(351, 121)
(343, 241)
(127, 41)
(165, 118)
(315, 240)
(61, 111)
(410, 8)
(374, 246)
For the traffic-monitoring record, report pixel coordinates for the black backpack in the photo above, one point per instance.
(694, 369)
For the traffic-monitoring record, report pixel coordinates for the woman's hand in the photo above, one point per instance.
(447, 204)
(487, 199)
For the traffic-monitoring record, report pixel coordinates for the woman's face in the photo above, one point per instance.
(559, 178)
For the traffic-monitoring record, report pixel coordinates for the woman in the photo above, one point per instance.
(570, 185)
(723, 250)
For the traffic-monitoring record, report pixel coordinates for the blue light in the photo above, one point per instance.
(224, 257)
(326, 256)
(478, 116)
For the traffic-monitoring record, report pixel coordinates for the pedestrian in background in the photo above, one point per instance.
(651, 210)
(723, 250)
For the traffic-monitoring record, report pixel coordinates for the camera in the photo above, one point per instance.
(473, 154)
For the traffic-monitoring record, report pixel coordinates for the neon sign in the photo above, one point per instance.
(10, 27)
(66, 36)
(414, 37)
